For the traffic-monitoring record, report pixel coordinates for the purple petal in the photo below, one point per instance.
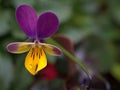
(47, 24)
(27, 20)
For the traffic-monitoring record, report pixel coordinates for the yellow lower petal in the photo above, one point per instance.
(35, 60)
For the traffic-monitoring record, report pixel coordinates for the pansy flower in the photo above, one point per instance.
(37, 29)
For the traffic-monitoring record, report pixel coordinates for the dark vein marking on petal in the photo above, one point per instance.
(33, 56)
(39, 56)
(32, 52)
(37, 53)
(36, 67)
(41, 52)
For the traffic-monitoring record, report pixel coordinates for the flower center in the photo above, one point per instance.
(36, 42)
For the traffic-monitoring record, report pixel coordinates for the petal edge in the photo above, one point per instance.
(19, 47)
(51, 49)
(47, 24)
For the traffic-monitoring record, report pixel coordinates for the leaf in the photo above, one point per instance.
(75, 34)
(6, 71)
(115, 71)
(63, 10)
(4, 22)
(18, 2)
(22, 78)
(101, 51)
(15, 29)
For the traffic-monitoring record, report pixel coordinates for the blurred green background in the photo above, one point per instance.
(93, 25)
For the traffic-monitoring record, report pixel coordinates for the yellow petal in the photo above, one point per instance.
(19, 47)
(51, 49)
(35, 60)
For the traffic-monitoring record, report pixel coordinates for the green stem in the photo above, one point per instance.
(81, 64)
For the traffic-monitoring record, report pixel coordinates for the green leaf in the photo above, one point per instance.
(18, 2)
(22, 78)
(101, 51)
(6, 71)
(62, 9)
(76, 34)
(115, 71)
(56, 84)
(15, 30)
(4, 22)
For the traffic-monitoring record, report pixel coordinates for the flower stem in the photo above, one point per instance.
(77, 61)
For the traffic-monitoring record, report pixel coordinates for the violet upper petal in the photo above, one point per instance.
(27, 20)
(47, 24)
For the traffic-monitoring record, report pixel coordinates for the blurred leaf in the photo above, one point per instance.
(62, 9)
(4, 22)
(116, 15)
(102, 51)
(56, 84)
(114, 10)
(18, 34)
(18, 2)
(63, 13)
(22, 79)
(15, 30)
(42, 85)
(91, 6)
(51, 59)
(115, 71)
(6, 71)
(76, 34)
